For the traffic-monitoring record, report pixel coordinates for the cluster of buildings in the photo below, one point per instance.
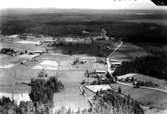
(51, 40)
(13, 52)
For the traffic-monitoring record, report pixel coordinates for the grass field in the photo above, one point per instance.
(150, 98)
(71, 97)
(161, 83)
(154, 102)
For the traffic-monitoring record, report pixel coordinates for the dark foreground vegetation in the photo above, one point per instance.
(107, 102)
(110, 102)
(9, 107)
(42, 90)
(155, 66)
(73, 24)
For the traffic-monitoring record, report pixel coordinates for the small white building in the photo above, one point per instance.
(100, 71)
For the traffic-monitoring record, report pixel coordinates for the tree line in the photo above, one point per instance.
(152, 65)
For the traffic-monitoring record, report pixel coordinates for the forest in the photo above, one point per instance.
(154, 66)
(73, 24)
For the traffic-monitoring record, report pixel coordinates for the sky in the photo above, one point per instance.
(88, 4)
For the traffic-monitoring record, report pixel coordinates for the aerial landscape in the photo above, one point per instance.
(83, 61)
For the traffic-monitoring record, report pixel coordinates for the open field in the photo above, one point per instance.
(71, 97)
(147, 97)
(161, 83)
(10, 60)
(55, 64)
(154, 102)
(150, 98)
